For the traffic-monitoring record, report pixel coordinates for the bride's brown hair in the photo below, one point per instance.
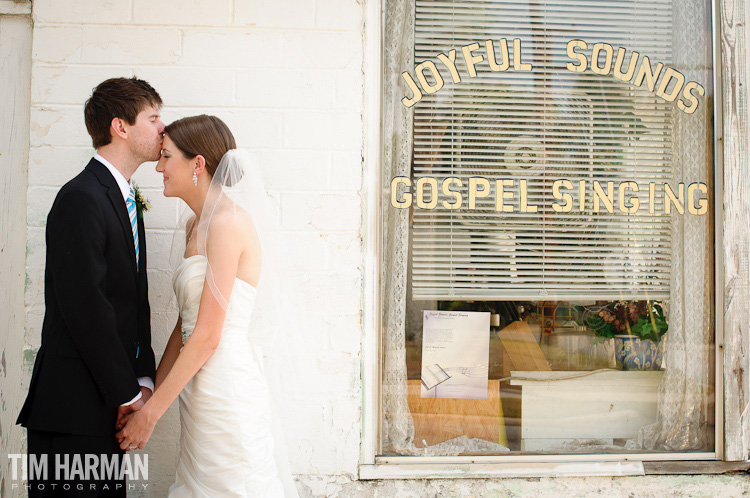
(203, 135)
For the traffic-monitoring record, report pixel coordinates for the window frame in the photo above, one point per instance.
(373, 466)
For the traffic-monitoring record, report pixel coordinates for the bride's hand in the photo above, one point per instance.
(122, 421)
(137, 430)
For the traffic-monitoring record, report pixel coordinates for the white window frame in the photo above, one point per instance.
(375, 467)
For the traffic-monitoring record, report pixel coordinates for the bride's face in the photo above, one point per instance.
(176, 169)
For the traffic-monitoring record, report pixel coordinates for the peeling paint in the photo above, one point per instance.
(725, 486)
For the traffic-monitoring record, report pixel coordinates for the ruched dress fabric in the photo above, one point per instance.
(226, 440)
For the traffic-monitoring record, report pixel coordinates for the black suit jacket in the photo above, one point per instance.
(96, 336)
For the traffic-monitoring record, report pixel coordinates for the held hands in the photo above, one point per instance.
(135, 423)
(134, 407)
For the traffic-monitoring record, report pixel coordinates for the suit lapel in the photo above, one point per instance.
(115, 196)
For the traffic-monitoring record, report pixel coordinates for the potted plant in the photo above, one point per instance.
(637, 327)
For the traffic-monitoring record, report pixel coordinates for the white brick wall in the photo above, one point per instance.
(286, 76)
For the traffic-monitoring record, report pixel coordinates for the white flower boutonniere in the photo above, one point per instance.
(141, 203)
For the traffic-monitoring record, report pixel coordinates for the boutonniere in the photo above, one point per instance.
(141, 203)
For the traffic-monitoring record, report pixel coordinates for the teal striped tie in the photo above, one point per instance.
(133, 222)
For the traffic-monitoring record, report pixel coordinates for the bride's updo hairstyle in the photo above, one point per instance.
(203, 135)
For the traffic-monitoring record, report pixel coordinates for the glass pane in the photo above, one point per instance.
(548, 264)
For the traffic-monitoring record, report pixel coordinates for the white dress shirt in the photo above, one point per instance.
(125, 187)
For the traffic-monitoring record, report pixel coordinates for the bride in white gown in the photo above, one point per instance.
(231, 443)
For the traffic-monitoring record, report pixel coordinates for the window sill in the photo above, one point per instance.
(695, 467)
(456, 470)
(490, 470)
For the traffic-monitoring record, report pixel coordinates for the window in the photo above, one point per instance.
(551, 177)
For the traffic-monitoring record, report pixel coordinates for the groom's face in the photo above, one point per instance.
(147, 134)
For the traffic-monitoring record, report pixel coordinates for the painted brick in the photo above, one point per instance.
(183, 12)
(345, 333)
(286, 88)
(34, 288)
(321, 211)
(302, 343)
(294, 169)
(184, 86)
(33, 327)
(235, 48)
(36, 247)
(58, 126)
(162, 324)
(336, 293)
(320, 130)
(349, 85)
(312, 417)
(111, 45)
(38, 203)
(339, 14)
(344, 250)
(159, 246)
(29, 356)
(160, 292)
(275, 13)
(57, 44)
(254, 128)
(164, 210)
(315, 49)
(346, 171)
(303, 251)
(55, 166)
(346, 418)
(81, 11)
(69, 84)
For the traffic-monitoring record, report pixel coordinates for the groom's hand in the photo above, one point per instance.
(132, 408)
(125, 410)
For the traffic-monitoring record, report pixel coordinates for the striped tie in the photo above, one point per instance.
(133, 222)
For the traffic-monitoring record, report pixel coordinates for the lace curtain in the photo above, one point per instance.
(398, 427)
(682, 410)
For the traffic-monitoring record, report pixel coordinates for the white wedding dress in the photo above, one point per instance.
(228, 436)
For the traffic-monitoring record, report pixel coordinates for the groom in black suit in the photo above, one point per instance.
(95, 363)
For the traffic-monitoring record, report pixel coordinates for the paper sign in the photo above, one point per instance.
(455, 354)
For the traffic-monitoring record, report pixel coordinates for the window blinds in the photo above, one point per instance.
(542, 125)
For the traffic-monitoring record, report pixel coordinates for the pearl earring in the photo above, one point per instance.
(195, 179)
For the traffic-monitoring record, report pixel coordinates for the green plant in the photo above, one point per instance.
(643, 319)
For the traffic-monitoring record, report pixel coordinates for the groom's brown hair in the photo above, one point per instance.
(120, 98)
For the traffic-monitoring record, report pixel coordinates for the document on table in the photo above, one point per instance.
(455, 354)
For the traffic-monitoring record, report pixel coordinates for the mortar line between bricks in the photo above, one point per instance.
(337, 71)
(279, 110)
(156, 190)
(196, 27)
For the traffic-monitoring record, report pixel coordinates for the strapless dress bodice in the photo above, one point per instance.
(228, 431)
(188, 282)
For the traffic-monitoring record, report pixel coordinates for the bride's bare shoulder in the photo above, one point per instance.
(244, 219)
(232, 219)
